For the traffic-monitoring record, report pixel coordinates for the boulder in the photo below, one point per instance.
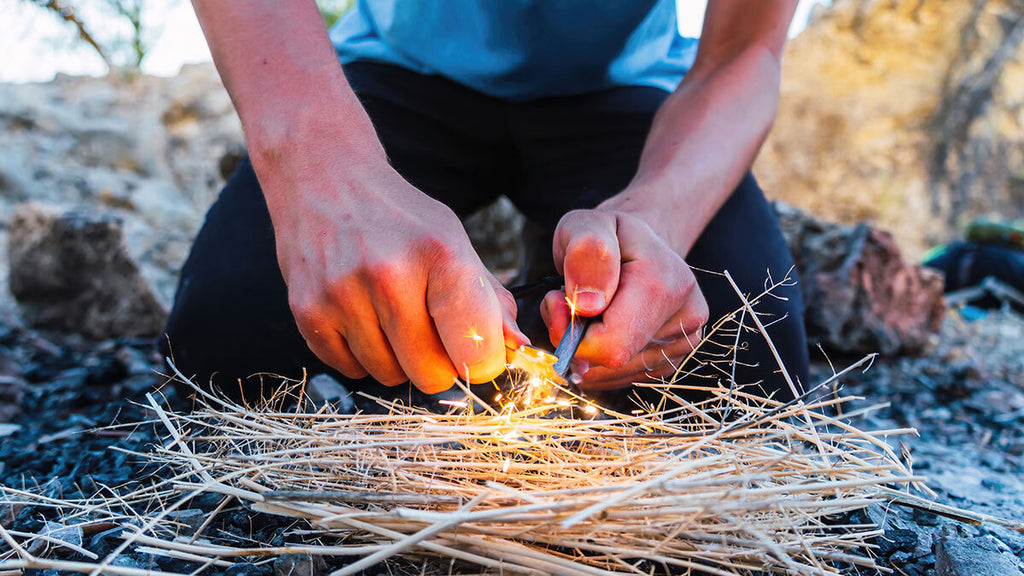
(323, 389)
(973, 557)
(70, 272)
(143, 148)
(495, 232)
(903, 113)
(860, 295)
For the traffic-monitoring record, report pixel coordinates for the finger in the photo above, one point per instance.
(329, 346)
(656, 286)
(658, 362)
(372, 350)
(324, 341)
(639, 310)
(418, 348)
(469, 321)
(556, 314)
(586, 251)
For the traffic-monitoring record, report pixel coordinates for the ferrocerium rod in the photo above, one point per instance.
(569, 343)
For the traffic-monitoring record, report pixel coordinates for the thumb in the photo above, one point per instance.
(586, 251)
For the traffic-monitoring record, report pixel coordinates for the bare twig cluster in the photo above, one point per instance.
(734, 484)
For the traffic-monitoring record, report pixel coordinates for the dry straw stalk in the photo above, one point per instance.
(735, 484)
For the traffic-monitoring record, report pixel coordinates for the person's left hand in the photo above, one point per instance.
(653, 311)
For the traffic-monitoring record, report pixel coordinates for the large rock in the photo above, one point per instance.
(70, 272)
(974, 557)
(860, 295)
(142, 148)
(906, 113)
(495, 232)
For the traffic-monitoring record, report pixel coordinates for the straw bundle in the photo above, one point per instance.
(733, 485)
(525, 494)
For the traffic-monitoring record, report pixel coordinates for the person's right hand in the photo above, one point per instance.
(382, 279)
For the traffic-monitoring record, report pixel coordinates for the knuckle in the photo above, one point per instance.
(381, 273)
(692, 320)
(434, 385)
(436, 248)
(338, 288)
(308, 313)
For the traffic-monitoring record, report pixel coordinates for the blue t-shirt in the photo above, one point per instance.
(522, 49)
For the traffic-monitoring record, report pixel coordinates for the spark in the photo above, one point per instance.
(472, 334)
(590, 409)
(572, 305)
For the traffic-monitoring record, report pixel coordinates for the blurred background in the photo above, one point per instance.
(906, 114)
(116, 134)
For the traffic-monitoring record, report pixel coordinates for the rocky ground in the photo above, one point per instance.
(965, 396)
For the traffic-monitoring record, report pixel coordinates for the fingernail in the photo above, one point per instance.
(589, 300)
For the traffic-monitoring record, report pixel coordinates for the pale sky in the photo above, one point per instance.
(34, 45)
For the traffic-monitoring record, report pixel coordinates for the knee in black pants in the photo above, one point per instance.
(231, 316)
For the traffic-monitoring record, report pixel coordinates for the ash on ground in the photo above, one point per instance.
(965, 396)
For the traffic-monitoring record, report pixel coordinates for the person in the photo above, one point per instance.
(337, 246)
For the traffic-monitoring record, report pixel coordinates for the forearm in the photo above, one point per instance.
(706, 134)
(287, 84)
(702, 142)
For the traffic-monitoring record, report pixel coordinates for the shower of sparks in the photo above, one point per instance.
(533, 379)
(535, 387)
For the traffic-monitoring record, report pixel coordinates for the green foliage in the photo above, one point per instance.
(331, 10)
(116, 31)
(113, 28)
(136, 42)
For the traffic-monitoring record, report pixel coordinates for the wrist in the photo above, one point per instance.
(321, 155)
(301, 132)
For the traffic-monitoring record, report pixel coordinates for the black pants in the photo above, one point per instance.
(231, 314)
